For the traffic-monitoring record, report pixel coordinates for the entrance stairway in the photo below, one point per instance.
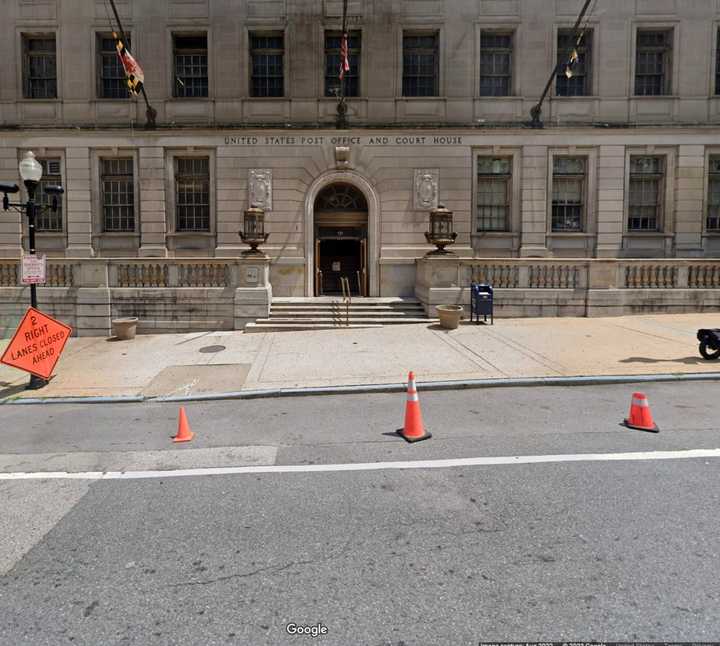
(328, 312)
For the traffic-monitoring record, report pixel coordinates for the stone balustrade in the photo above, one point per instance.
(573, 287)
(166, 294)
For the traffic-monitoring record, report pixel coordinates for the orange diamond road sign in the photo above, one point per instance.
(37, 344)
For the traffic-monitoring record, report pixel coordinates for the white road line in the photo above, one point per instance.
(364, 466)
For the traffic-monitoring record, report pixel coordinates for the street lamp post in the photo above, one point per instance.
(31, 173)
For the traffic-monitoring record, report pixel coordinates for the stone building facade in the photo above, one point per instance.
(626, 166)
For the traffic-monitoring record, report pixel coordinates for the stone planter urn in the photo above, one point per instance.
(124, 329)
(450, 315)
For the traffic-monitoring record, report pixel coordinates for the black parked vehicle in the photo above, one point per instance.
(709, 343)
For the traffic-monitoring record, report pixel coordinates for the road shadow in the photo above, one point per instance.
(464, 323)
(690, 361)
(8, 390)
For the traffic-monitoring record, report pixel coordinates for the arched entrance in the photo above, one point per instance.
(340, 240)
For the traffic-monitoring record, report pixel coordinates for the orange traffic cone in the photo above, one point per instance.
(184, 433)
(413, 430)
(640, 415)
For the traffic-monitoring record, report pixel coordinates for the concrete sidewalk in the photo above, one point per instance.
(220, 362)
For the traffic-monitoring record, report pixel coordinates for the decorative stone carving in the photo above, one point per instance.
(260, 188)
(426, 188)
(342, 157)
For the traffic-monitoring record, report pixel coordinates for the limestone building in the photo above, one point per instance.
(439, 95)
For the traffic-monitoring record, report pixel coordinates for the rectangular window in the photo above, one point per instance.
(351, 79)
(568, 194)
(647, 183)
(713, 212)
(111, 76)
(117, 194)
(39, 67)
(573, 77)
(46, 220)
(192, 193)
(653, 62)
(267, 52)
(190, 54)
(717, 63)
(494, 175)
(495, 63)
(420, 64)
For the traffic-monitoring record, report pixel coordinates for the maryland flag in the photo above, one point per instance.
(133, 72)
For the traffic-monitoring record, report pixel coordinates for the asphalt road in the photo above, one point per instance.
(607, 550)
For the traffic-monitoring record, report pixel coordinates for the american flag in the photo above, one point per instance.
(344, 62)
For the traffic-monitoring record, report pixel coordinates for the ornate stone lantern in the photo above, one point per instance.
(253, 232)
(441, 231)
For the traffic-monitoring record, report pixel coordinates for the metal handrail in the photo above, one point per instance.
(320, 282)
(360, 289)
(347, 298)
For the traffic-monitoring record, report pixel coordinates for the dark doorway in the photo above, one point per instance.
(340, 258)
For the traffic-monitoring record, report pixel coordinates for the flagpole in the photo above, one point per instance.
(341, 121)
(150, 112)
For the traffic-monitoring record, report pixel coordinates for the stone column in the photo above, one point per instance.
(153, 224)
(79, 206)
(533, 241)
(10, 221)
(689, 203)
(231, 181)
(611, 205)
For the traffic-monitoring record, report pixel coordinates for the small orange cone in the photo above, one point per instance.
(413, 430)
(640, 415)
(184, 433)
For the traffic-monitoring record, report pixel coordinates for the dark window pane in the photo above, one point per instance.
(579, 68)
(653, 63)
(191, 65)
(645, 198)
(46, 219)
(266, 65)
(495, 63)
(332, 64)
(493, 193)
(420, 65)
(713, 200)
(112, 83)
(568, 194)
(39, 67)
(192, 194)
(118, 194)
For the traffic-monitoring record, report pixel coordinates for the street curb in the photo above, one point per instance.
(377, 388)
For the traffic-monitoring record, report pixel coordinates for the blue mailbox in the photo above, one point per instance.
(481, 302)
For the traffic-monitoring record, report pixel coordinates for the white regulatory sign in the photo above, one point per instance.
(33, 270)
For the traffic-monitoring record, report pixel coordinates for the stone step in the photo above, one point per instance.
(341, 312)
(339, 321)
(300, 300)
(299, 327)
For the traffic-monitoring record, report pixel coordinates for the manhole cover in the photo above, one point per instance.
(209, 349)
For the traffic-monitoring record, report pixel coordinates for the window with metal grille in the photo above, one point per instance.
(713, 201)
(191, 65)
(647, 181)
(351, 79)
(39, 66)
(494, 178)
(496, 63)
(717, 63)
(45, 219)
(420, 64)
(579, 68)
(118, 194)
(568, 194)
(192, 193)
(267, 75)
(653, 62)
(111, 76)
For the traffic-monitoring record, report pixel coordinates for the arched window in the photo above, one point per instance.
(340, 197)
